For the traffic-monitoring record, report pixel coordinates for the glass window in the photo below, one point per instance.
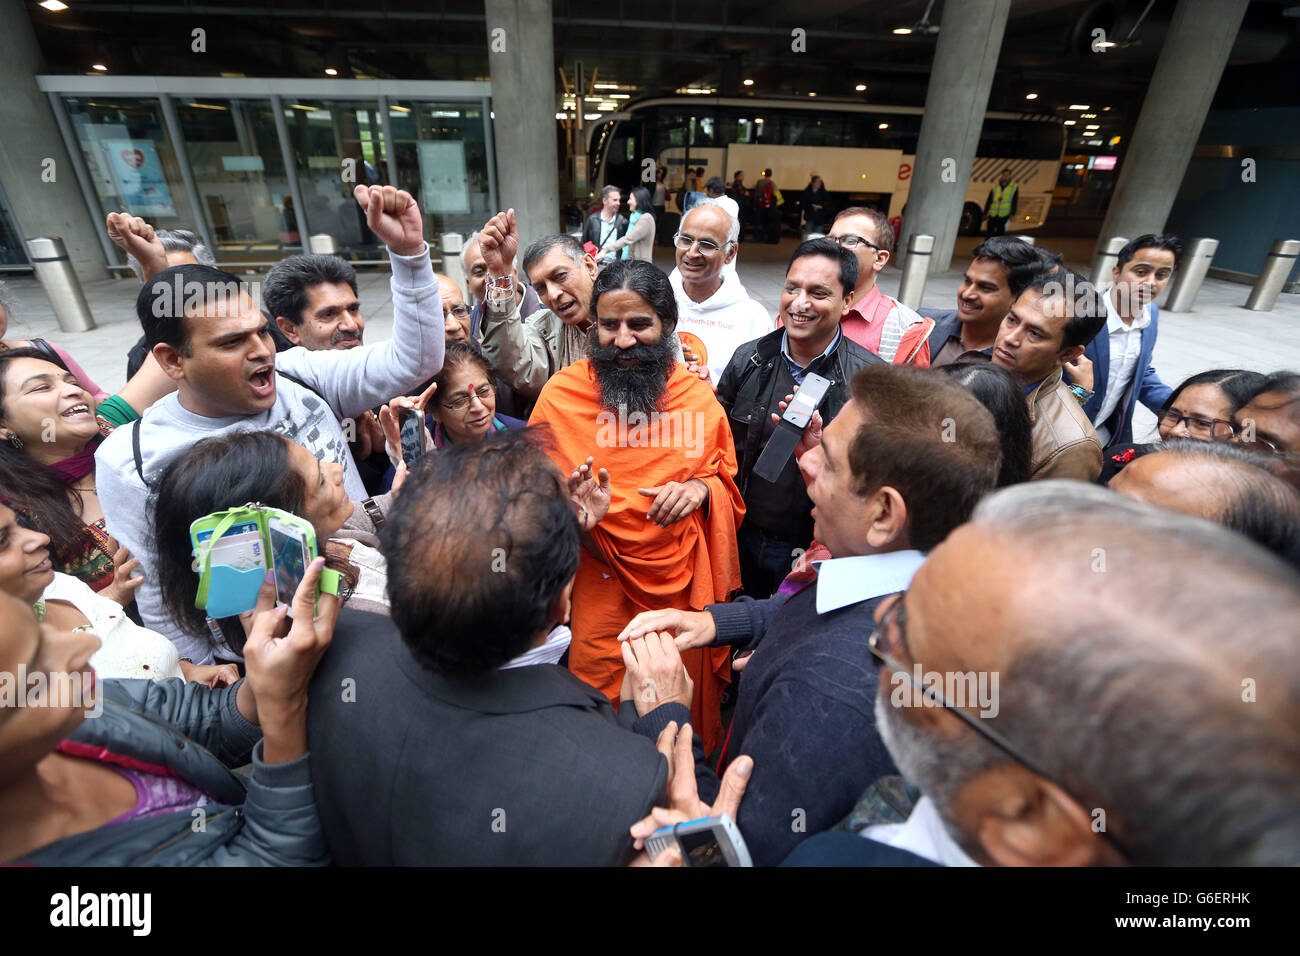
(442, 161)
(323, 135)
(130, 159)
(239, 172)
(12, 250)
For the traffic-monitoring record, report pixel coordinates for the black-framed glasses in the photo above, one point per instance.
(461, 311)
(707, 246)
(852, 242)
(1215, 428)
(897, 612)
(462, 403)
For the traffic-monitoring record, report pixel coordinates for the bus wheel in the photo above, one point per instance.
(971, 215)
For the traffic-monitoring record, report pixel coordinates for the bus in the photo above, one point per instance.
(864, 153)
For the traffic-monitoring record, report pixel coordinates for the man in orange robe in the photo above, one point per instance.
(668, 539)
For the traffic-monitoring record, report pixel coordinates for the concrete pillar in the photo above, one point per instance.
(31, 137)
(522, 59)
(1182, 87)
(970, 38)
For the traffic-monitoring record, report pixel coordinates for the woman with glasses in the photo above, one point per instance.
(1201, 408)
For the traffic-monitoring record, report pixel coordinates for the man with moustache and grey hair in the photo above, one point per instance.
(645, 437)
(1130, 730)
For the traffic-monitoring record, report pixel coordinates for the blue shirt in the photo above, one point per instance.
(798, 371)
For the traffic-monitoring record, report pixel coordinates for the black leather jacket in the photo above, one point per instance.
(755, 380)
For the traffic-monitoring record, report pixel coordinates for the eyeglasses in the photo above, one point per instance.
(462, 403)
(1263, 444)
(876, 643)
(707, 246)
(461, 311)
(852, 242)
(1215, 428)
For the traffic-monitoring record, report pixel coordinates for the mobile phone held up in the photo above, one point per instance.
(709, 841)
(412, 428)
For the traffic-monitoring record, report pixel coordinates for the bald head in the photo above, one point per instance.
(1222, 483)
(1126, 676)
(455, 313)
(701, 271)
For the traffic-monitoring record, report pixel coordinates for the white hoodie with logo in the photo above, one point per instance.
(723, 322)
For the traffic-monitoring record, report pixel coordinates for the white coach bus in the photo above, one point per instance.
(864, 153)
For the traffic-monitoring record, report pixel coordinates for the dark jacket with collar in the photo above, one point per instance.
(528, 766)
(805, 713)
(1145, 387)
(193, 732)
(596, 227)
(754, 381)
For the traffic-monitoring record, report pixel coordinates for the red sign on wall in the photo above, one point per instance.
(904, 171)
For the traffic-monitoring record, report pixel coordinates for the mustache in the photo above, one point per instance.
(637, 388)
(344, 336)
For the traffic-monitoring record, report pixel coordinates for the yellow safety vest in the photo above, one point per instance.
(1001, 207)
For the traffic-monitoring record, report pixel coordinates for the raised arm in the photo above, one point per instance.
(358, 379)
(518, 350)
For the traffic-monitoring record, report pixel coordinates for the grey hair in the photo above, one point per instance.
(540, 247)
(1141, 701)
(177, 240)
(464, 252)
(7, 300)
(733, 227)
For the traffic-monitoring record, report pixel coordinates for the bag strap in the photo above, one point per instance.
(47, 348)
(135, 452)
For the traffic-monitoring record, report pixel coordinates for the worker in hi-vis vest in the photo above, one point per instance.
(1001, 204)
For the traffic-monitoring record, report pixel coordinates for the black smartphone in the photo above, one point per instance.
(412, 425)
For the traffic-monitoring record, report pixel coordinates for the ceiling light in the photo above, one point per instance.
(1078, 106)
(861, 87)
(1105, 44)
(1031, 96)
(100, 67)
(54, 6)
(604, 86)
(883, 126)
(1069, 122)
(330, 71)
(748, 82)
(606, 107)
(1089, 116)
(620, 96)
(902, 31)
(812, 94)
(591, 116)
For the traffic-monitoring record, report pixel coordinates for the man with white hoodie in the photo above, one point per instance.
(715, 315)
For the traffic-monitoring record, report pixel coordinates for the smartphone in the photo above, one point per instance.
(293, 547)
(709, 841)
(800, 411)
(412, 426)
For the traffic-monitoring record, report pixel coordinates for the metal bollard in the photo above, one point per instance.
(323, 244)
(1027, 240)
(49, 257)
(1281, 258)
(916, 268)
(451, 244)
(1105, 260)
(1188, 279)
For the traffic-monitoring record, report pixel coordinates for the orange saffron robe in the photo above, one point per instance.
(687, 565)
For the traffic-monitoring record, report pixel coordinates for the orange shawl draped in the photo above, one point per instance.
(687, 565)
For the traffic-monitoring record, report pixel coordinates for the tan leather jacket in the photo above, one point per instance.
(1065, 445)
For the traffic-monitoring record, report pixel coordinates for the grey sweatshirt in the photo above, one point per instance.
(349, 381)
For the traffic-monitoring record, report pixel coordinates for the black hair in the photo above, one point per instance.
(162, 301)
(284, 293)
(1238, 384)
(1019, 258)
(540, 248)
(1256, 503)
(999, 393)
(646, 280)
(832, 250)
(222, 472)
(480, 545)
(1085, 307)
(643, 203)
(40, 498)
(1170, 243)
(1288, 383)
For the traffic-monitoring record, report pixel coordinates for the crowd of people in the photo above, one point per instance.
(602, 570)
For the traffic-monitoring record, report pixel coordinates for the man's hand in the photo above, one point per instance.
(589, 494)
(656, 672)
(279, 668)
(692, 628)
(695, 368)
(675, 500)
(136, 238)
(394, 217)
(214, 675)
(1080, 372)
(370, 436)
(499, 243)
(812, 435)
(684, 801)
(122, 588)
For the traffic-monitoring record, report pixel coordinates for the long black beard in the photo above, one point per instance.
(637, 388)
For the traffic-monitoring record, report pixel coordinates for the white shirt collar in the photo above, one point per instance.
(924, 834)
(845, 581)
(1116, 325)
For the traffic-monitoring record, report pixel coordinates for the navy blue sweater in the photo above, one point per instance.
(805, 714)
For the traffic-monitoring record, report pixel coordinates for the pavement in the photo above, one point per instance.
(1218, 333)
